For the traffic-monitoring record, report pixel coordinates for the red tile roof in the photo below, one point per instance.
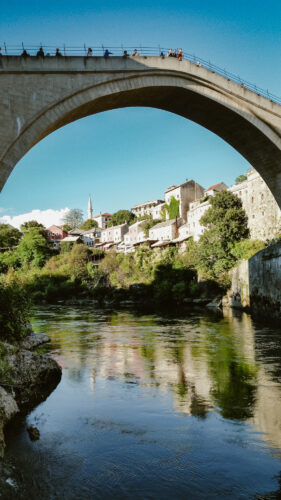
(95, 216)
(214, 186)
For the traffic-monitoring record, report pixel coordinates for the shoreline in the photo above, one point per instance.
(26, 378)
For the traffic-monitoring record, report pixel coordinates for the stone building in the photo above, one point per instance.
(102, 220)
(145, 208)
(135, 233)
(185, 193)
(165, 231)
(264, 215)
(157, 211)
(114, 234)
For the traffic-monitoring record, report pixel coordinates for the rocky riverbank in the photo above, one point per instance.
(26, 378)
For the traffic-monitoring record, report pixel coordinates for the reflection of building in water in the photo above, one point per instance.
(205, 365)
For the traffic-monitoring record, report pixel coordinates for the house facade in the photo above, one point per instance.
(145, 208)
(102, 220)
(114, 234)
(165, 231)
(185, 193)
(55, 234)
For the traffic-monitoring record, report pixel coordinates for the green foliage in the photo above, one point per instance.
(31, 223)
(9, 236)
(245, 249)
(33, 249)
(14, 312)
(226, 224)
(88, 224)
(9, 260)
(205, 198)
(122, 217)
(240, 178)
(73, 218)
(149, 224)
(78, 260)
(173, 208)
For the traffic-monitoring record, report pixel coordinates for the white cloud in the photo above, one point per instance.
(45, 217)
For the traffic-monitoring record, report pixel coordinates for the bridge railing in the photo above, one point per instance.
(98, 50)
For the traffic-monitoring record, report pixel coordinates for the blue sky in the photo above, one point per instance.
(128, 156)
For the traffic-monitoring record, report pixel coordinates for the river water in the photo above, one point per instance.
(152, 406)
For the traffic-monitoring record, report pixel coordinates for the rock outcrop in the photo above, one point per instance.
(26, 379)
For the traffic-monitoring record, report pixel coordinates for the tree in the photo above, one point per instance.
(31, 223)
(173, 208)
(240, 178)
(121, 217)
(73, 218)
(78, 260)
(88, 224)
(149, 224)
(9, 236)
(34, 248)
(226, 224)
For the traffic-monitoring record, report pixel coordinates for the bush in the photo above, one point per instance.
(14, 312)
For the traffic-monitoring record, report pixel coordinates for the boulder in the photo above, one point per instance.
(8, 409)
(34, 340)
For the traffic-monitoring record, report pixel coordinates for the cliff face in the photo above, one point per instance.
(26, 378)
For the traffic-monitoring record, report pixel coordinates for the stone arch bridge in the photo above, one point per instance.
(40, 95)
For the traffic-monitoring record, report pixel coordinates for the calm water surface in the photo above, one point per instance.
(153, 407)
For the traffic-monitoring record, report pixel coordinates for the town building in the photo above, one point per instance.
(114, 234)
(158, 210)
(264, 215)
(102, 220)
(216, 188)
(185, 193)
(145, 208)
(165, 231)
(135, 233)
(55, 234)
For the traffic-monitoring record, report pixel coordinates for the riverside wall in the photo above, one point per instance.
(256, 284)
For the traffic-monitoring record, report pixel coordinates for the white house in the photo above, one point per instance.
(157, 210)
(145, 208)
(102, 220)
(165, 231)
(114, 234)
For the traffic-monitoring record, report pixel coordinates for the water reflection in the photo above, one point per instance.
(152, 406)
(212, 362)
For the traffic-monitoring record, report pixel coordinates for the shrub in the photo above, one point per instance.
(14, 312)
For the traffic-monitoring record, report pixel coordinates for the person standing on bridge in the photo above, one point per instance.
(180, 54)
(135, 53)
(40, 53)
(170, 53)
(90, 52)
(25, 54)
(106, 53)
(58, 53)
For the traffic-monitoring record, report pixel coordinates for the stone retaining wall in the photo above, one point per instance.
(256, 283)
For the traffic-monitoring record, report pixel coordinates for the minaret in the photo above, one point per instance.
(90, 208)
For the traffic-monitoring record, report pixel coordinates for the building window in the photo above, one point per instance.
(252, 199)
(262, 213)
(253, 216)
(262, 196)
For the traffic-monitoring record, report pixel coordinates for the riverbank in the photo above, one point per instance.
(26, 378)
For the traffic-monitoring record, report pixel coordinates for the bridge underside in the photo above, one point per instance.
(40, 102)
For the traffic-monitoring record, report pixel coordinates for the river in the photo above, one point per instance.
(152, 406)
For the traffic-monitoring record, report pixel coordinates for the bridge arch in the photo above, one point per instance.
(48, 94)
